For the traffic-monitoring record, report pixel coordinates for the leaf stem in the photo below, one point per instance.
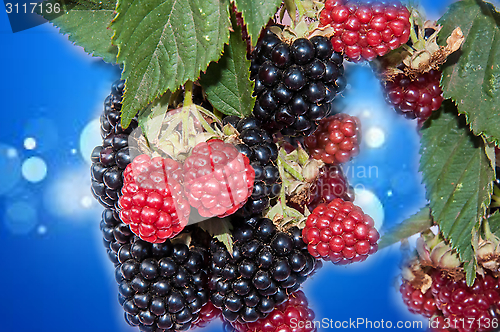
(413, 35)
(487, 230)
(188, 94)
(289, 169)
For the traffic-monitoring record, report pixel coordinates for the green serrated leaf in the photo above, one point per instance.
(165, 43)
(419, 222)
(473, 80)
(256, 15)
(220, 229)
(458, 177)
(227, 82)
(86, 24)
(494, 222)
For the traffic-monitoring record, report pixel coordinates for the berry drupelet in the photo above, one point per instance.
(295, 84)
(363, 31)
(337, 139)
(294, 312)
(266, 265)
(459, 303)
(340, 232)
(162, 286)
(262, 152)
(417, 302)
(115, 234)
(110, 159)
(417, 97)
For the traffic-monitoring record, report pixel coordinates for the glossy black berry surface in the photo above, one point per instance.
(262, 152)
(110, 159)
(295, 84)
(265, 266)
(162, 286)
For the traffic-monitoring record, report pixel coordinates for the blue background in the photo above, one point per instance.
(55, 275)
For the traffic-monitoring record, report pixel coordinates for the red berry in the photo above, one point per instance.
(416, 98)
(461, 303)
(207, 314)
(153, 201)
(363, 31)
(217, 178)
(291, 316)
(417, 302)
(340, 232)
(336, 140)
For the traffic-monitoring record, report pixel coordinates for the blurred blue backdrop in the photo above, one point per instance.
(55, 275)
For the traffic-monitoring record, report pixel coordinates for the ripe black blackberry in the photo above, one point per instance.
(110, 159)
(115, 234)
(262, 152)
(296, 83)
(266, 265)
(163, 286)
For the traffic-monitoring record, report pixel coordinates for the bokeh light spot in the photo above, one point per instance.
(20, 217)
(370, 204)
(29, 143)
(34, 169)
(375, 137)
(42, 229)
(90, 138)
(46, 132)
(87, 202)
(10, 164)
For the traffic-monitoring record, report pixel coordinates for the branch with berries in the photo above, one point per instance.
(220, 168)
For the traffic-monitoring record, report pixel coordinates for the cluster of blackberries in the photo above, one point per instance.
(296, 83)
(110, 159)
(262, 152)
(162, 286)
(266, 265)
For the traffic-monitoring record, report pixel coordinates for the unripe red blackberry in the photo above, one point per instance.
(340, 232)
(418, 303)
(336, 140)
(470, 308)
(293, 315)
(363, 31)
(217, 178)
(295, 84)
(330, 184)
(418, 97)
(153, 201)
(207, 314)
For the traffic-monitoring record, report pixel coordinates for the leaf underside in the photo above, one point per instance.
(471, 77)
(417, 223)
(458, 177)
(86, 24)
(163, 44)
(227, 83)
